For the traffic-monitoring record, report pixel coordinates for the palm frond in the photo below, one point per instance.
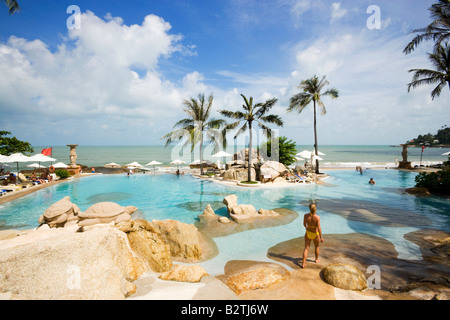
(13, 6)
(274, 119)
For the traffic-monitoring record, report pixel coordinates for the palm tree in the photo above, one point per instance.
(12, 5)
(198, 123)
(252, 113)
(440, 59)
(312, 91)
(438, 30)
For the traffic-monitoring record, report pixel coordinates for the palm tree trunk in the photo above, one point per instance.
(249, 172)
(315, 138)
(201, 152)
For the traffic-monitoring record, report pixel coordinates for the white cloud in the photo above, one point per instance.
(92, 75)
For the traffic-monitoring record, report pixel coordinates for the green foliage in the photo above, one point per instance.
(62, 174)
(443, 136)
(12, 145)
(285, 153)
(436, 182)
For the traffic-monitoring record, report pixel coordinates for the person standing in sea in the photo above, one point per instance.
(311, 221)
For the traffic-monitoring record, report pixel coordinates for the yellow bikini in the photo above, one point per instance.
(312, 235)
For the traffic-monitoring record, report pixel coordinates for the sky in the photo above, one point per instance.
(117, 72)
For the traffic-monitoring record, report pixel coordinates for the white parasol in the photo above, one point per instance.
(112, 165)
(221, 154)
(154, 164)
(178, 162)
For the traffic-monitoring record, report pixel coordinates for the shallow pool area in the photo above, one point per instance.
(346, 204)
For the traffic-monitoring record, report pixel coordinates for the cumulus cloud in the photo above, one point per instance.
(106, 72)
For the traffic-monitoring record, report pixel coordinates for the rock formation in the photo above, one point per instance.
(105, 212)
(344, 276)
(183, 239)
(62, 264)
(239, 212)
(60, 213)
(64, 213)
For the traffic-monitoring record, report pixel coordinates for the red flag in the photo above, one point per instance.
(423, 148)
(47, 152)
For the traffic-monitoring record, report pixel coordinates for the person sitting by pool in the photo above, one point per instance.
(311, 221)
(371, 181)
(93, 170)
(12, 179)
(35, 179)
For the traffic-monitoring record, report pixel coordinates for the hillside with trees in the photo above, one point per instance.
(440, 139)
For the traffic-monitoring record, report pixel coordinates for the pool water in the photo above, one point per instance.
(183, 198)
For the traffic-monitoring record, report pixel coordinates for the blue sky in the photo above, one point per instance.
(121, 77)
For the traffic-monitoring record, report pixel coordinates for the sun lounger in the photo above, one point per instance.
(12, 188)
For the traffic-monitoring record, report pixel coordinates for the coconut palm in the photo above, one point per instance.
(440, 59)
(312, 91)
(12, 5)
(196, 125)
(438, 30)
(252, 113)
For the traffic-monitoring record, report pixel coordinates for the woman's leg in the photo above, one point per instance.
(305, 252)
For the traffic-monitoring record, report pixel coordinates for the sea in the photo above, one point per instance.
(336, 156)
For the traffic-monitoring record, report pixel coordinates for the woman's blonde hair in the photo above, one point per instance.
(312, 208)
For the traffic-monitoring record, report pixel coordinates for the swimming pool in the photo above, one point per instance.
(183, 198)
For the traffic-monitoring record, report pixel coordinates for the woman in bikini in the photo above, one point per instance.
(311, 221)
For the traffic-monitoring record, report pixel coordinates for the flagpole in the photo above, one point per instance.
(421, 155)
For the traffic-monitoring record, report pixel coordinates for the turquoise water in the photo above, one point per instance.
(182, 198)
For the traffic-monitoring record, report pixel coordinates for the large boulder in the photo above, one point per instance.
(187, 273)
(344, 276)
(258, 276)
(242, 155)
(62, 264)
(273, 169)
(239, 174)
(105, 212)
(183, 239)
(239, 211)
(146, 241)
(60, 214)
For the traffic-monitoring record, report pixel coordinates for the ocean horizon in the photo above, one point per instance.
(334, 155)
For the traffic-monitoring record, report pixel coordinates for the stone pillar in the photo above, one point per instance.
(73, 167)
(404, 164)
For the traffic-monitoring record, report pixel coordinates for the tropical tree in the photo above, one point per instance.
(438, 30)
(10, 145)
(284, 150)
(252, 113)
(12, 5)
(196, 125)
(440, 59)
(312, 91)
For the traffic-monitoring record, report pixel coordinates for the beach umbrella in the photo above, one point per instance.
(60, 165)
(134, 164)
(444, 154)
(35, 165)
(41, 158)
(112, 165)
(154, 164)
(17, 157)
(3, 158)
(221, 154)
(177, 162)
